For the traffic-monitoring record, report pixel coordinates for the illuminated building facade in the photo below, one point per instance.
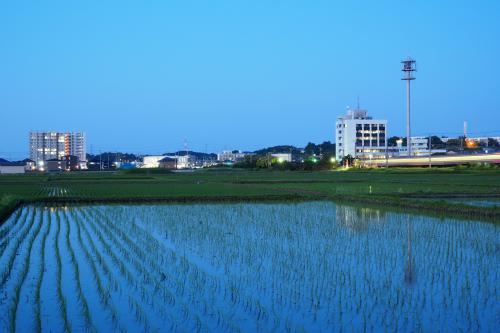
(419, 146)
(44, 146)
(360, 136)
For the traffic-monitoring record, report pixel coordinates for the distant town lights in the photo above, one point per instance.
(470, 143)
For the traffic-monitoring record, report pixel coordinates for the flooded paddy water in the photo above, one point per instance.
(480, 202)
(312, 267)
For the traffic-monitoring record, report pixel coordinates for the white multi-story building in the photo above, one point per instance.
(44, 146)
(231, 155)
(360, 136)
(76, 145)
(419, 146)
(184, 161)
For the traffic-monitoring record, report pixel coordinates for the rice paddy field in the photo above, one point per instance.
(420, 190)
(245, 267)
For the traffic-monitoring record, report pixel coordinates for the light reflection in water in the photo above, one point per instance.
(315, 266)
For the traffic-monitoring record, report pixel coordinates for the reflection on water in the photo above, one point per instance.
(54, 209)
(409, 272)
(491, 202)
(358, 219)
(316, 267)
(328, 267)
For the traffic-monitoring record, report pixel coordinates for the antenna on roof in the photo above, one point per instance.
(358, 102)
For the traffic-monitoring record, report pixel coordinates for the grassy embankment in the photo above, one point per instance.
(409, 189)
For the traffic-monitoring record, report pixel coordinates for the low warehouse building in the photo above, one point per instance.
(152, 161)
(12, 167)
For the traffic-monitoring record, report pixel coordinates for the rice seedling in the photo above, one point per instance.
(261, 267)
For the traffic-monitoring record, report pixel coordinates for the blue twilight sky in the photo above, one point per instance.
(144, 76)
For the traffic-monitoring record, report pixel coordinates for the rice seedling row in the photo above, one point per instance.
(245, 267)
(11, 287)
(195, 278)
(145, 279)
(28, 299)
(100, 291)
(13, 245)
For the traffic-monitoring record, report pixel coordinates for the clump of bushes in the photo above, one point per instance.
(7, 204)
(255, 162)
(476, 166)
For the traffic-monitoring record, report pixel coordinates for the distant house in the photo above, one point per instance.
(66, 163)
(7, 167)
(183, 161)
(168, 163)
(29, 165)
(55, 165)
(72, 162)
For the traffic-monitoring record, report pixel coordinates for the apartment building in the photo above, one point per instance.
(44, 146)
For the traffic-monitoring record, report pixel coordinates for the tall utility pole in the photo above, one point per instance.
(409, 66)
(186, 149)
(430, 151)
